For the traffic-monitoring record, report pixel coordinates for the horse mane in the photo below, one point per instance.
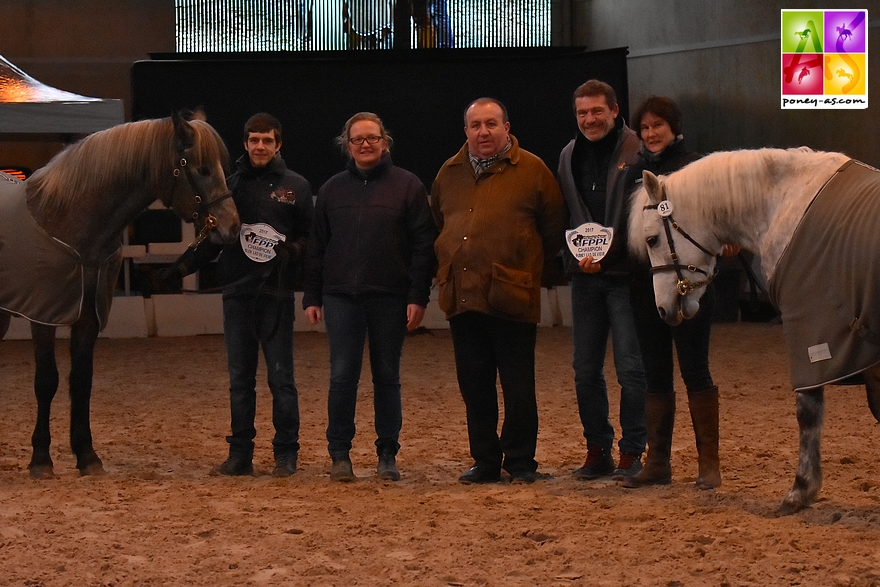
(121, 158)
(727, 186)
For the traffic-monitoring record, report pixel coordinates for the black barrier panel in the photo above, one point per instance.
(420, 95)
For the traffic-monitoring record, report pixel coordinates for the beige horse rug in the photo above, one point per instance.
(827, 282)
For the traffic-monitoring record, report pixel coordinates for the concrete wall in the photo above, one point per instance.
(721, 62)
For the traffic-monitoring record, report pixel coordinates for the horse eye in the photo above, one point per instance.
(652, 241)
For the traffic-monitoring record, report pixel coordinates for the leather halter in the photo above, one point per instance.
(684, 285)
(203, 207)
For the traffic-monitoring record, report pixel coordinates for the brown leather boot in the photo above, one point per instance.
(660, 411)
(704, 415)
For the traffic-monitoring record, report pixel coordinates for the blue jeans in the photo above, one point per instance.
(601, 304)
(349, 320)
(488, 348)
(248, 324)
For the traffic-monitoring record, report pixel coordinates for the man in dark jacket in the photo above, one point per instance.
(258, 273)
(592, 174)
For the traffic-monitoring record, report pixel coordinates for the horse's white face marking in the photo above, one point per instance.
(671, 305)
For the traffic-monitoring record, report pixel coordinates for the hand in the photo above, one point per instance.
(587, 266)
(314, 314)
(293, 249)
(414, 315)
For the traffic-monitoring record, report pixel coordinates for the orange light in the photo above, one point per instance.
(16, 172)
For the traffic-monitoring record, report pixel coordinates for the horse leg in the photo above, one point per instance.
(872, 387)
(83, 335)
(45, 387)
(4, 323)
(808, 480)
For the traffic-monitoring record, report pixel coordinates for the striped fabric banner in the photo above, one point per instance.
(326, 25)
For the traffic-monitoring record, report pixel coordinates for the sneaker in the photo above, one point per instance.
(628, 466)
(341, 471)
(598, 464)
(234, 466)
(387, 468)
(285, 466)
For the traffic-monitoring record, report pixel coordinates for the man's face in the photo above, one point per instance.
(486, 131)
(594, 117)
(261, 148)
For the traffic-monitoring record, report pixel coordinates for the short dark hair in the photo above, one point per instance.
(487, 100)
(661, 107)
(595, 87)
(262, 122)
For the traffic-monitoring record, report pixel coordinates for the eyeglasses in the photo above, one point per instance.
(360, 140)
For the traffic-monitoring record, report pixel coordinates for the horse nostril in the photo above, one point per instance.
(662, 312)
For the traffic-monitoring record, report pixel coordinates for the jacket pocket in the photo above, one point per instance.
(446, 291)
(511, 290)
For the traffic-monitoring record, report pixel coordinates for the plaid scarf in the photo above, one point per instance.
(481, 165)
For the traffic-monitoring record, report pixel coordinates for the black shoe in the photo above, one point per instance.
(234, 466)
(598, 464)
(341, 471)
(387, 468)
(478, 474)
(523, 476)
(285, 466)
(628, 466)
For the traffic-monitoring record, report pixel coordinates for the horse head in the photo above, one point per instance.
(200, 194)
(683, 263)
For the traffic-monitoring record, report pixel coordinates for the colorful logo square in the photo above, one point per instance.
(824, 59)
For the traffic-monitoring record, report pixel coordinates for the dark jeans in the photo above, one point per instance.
(486, 346)
(601, 304)
(656, 337)
(248, 324)
(349, 320)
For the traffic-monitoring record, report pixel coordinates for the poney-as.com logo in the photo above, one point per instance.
(824, 58)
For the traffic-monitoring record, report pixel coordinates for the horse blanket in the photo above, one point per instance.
(827, 282)
(41, 278)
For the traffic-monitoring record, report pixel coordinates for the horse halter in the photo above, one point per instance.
(684, 285)
(203, 207)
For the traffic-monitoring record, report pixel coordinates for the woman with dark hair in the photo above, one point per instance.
(368, 275)
(658, 122)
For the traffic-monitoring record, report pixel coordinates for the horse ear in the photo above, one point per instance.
(182, 131)
(655, 188)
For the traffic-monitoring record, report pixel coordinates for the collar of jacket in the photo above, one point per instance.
(276, 165)
(615, 135)
(462, 158)
(380, 168)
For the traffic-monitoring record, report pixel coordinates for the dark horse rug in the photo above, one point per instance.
(41, 278)
(827, 282)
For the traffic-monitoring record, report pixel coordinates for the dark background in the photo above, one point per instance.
(420, 96)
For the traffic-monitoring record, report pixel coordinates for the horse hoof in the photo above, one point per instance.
(791, 505)
(92, 469)
(41, 472)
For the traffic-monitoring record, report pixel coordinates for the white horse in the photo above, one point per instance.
(766, 202)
